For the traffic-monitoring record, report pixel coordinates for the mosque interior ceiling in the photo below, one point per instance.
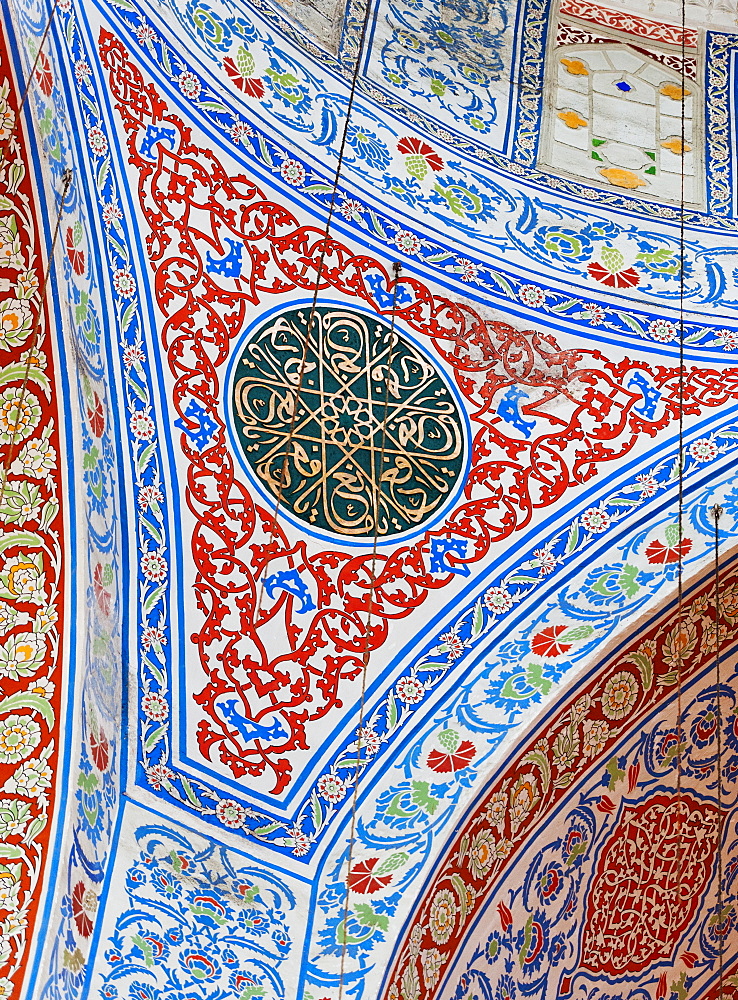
(368, 500)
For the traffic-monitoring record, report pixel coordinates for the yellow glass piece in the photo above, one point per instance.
(622, 178)
(575, 66)
(676, 146)
(572, 118)
(674, 91)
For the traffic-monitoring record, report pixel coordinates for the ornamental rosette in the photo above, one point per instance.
(16, 323)
(443, 915)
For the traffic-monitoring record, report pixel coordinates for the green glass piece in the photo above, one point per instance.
(650, 154)
(357, 453)
(599, 142)
(650, 170)
(596, 156)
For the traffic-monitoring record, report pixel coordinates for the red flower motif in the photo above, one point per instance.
(606, 805)
(627, 278)
(100, 750)
(362, 878)
(410, 145)
(44, 76)
(445, 762)
(657, 552)
(76, 256)
(546, 642)
(633, 771)
(505, 916)
(689, 958)
(251, 86)
(102, 594)
(79, 911)
(96, 417)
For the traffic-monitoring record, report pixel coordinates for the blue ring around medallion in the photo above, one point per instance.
(268, 498)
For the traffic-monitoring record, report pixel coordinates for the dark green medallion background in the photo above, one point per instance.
(350, 428)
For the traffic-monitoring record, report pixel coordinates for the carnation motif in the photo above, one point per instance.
(649, 485)
(546, 561)
(469, 271)
(111, 214)
(159, 774)
(594, 313)
(240, 131)
(82, 71)
(133, 355)
(368, 741)
(351, 209)
(454, 643)
(145, 34)
(728, 339)
(300, 842)
(149, 496)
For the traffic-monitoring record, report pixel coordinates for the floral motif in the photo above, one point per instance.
(443, 915)
(498, 600)
(619, 695)
(20, 413)
(16, 321)
(595, 520)
(19, 736)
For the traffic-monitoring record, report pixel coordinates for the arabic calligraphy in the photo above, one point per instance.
(347, 424)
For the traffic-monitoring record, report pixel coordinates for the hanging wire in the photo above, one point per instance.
(29, 79)
(717, 512)
(314, 304)
(396, 268)
(680, 564)
(34, 339)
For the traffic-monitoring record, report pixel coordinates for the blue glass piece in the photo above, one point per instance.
(624, 86)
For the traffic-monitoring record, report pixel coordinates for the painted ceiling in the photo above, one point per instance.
(369, 383)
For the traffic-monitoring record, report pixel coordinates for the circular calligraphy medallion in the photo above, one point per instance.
(351, 428)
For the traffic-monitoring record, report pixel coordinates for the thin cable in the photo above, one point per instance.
(717, 511)
(396, 267)
(680, 565)
(314, 304)
(31, 75)
(35, 334)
